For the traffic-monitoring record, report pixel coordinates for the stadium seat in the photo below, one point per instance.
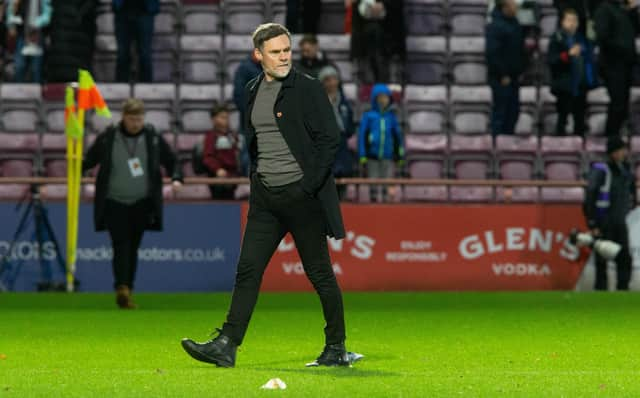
(104, 60)
(198, 18)
(337, 49)
(425, 17)
(426, 60)
(159, 102)
(470, 109)
(529, 114)
(468, 64)
(242, 16)
(516, 159)
(562, 161)
(195, 103)
(467, 18)
(236, 49)
(426, 109)
(426, 159)
(20, 107)
(200, 58)
(471, 159)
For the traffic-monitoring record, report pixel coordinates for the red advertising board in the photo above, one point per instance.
(411, 247)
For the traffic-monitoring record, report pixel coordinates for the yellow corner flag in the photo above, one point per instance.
(71, 124)
(89, 96)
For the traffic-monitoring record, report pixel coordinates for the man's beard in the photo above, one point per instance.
(276, 74)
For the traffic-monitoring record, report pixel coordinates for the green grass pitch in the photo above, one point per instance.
(550, 344)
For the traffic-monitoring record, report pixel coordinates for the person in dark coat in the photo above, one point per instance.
(220, 152)
(311, 58)
(73, 34)
(343, 166)
(293, 140)
(610, 195)
(617, 24)
(573, 72)
(303, 16)
(133, 21)
(378, 38)
(585, 10)
(128, 197)
(248, 69)
(506, 58)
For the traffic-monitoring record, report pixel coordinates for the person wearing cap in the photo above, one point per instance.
(610, 195)
(343, 166)
(312, 60)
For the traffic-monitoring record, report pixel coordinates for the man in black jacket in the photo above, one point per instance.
(293, 138)
(616, 24)
(505, 53)
(609, 197)
(128, 197)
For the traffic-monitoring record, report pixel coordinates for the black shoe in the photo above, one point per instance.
(335, 355)
(220, 350)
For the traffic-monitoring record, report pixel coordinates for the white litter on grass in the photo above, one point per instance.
(274, 384)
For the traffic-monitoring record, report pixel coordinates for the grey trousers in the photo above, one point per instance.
(379, 169)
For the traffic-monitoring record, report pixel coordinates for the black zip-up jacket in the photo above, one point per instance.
(158, 154)
(622, 195)
(505, 51)
(616, 29)
(309, 127)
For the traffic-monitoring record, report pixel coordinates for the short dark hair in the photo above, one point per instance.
(308, 39)
(218, 108)
(268, 31)
(569, 11)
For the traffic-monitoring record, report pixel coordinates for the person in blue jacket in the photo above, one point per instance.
(380, 142)
(133, 21)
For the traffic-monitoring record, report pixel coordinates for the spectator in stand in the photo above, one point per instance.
(616, 24)
(303, 16)
(343, 166)
(378, 38)
(585, 10)
(609, 197)
(220, 152)
(380, 142)
(311, 58)
(246, 71)
(26, 20)
(506, 55)
(572, 72)
(133, 21)
(76, 19)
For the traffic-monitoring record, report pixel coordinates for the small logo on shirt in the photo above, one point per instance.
(279, 114)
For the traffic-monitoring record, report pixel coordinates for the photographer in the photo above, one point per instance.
(609, 197)
(129, 189)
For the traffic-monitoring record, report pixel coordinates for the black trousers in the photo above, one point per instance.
(568, 104)
(272, 213)
(506, 107)
(126, 225)
(619, 234)
(618, 79)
